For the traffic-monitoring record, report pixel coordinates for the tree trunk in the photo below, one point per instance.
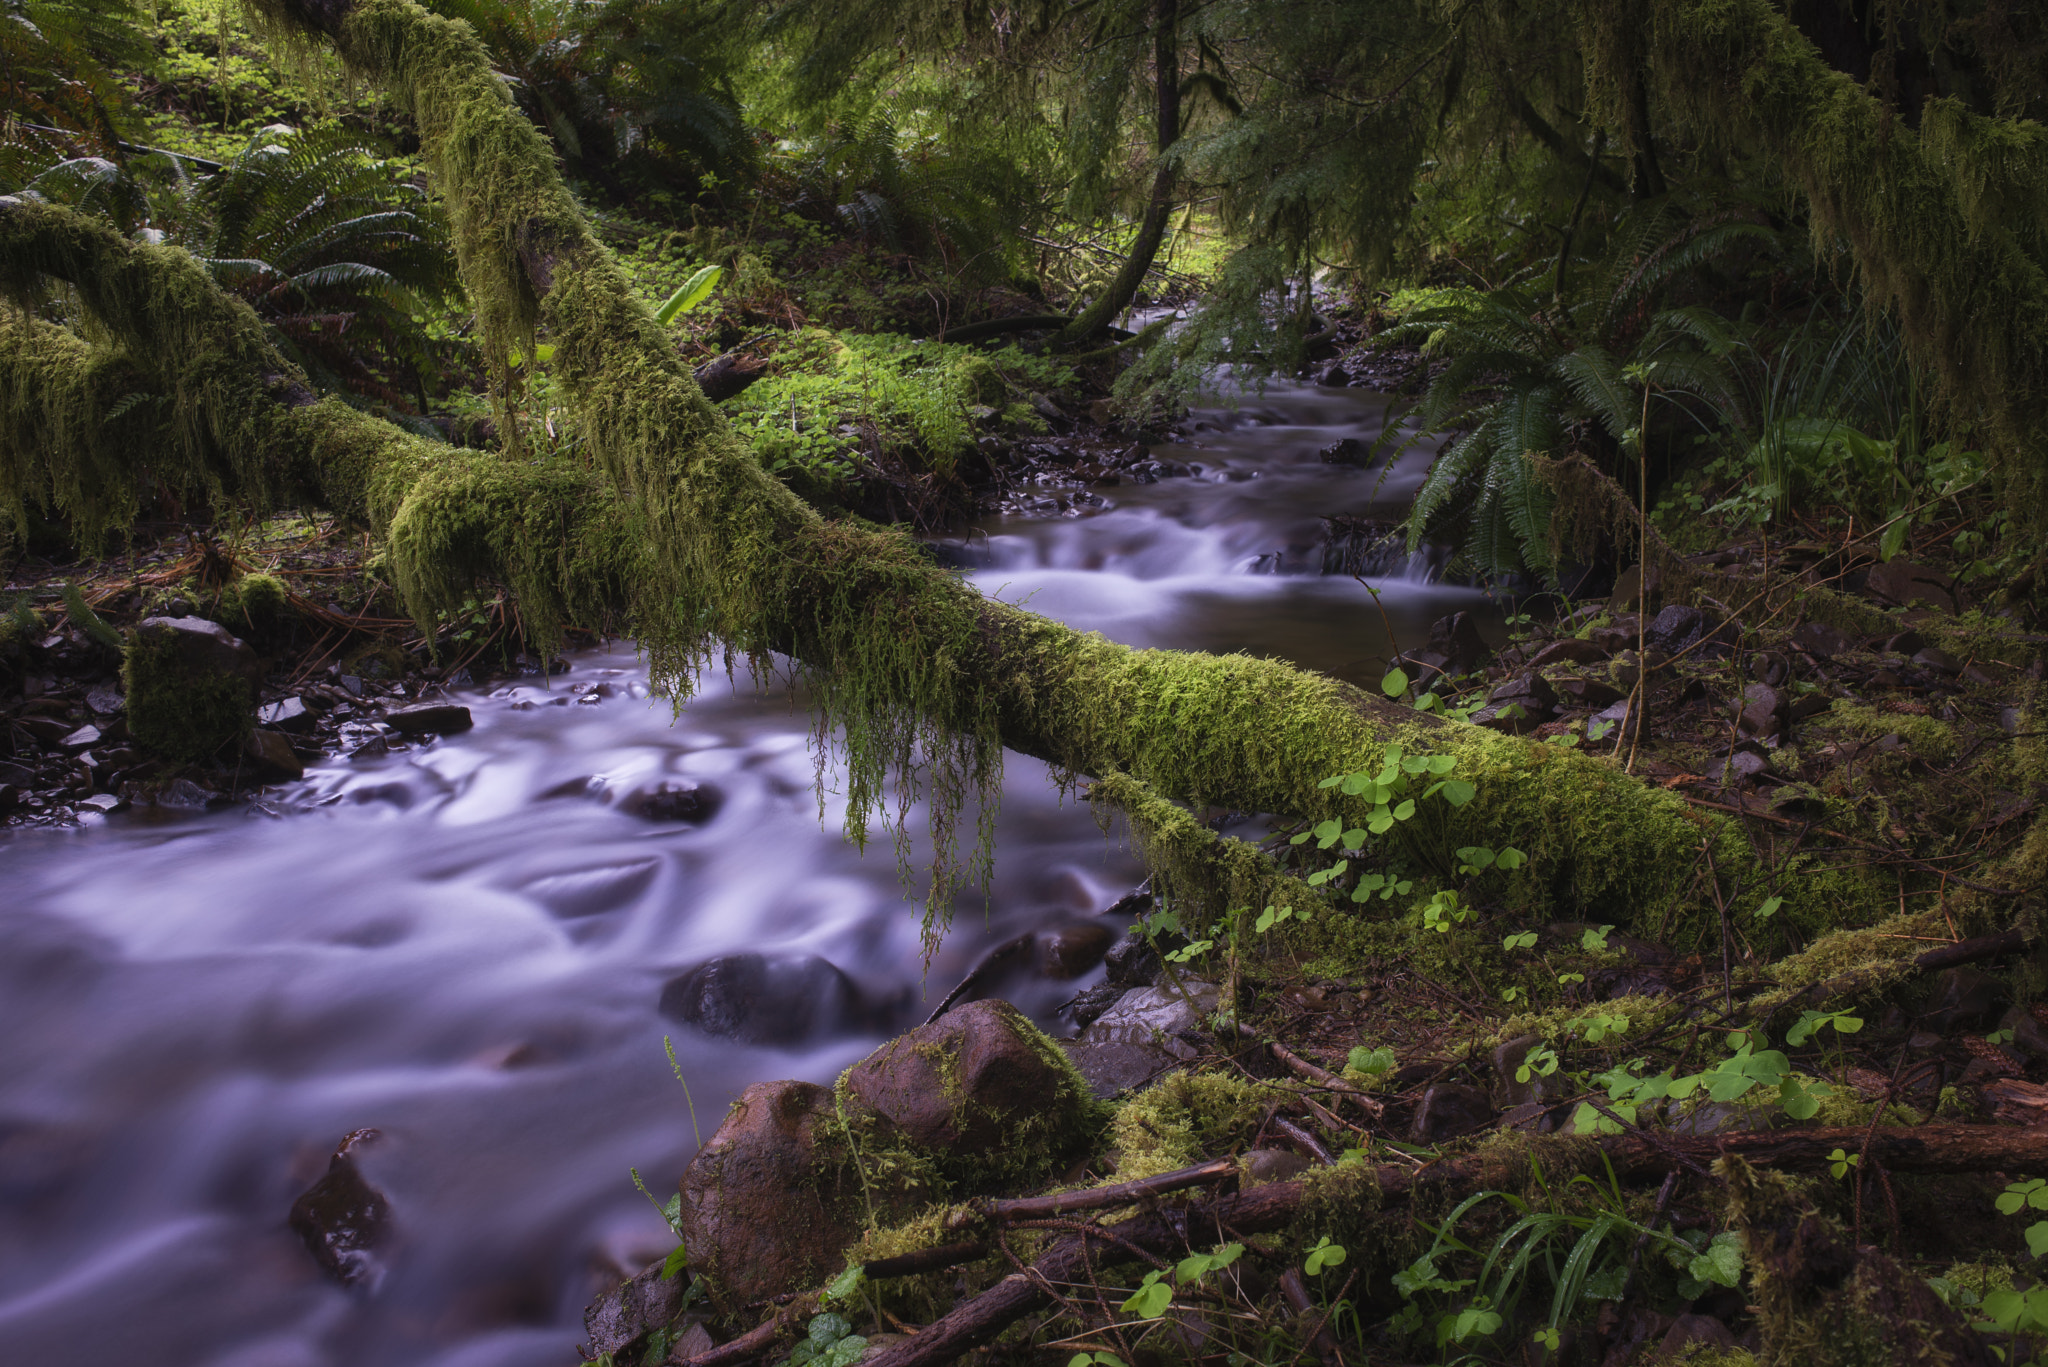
(708, 556)
(1159, 210)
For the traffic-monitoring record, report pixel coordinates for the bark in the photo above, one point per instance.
(1159, 209)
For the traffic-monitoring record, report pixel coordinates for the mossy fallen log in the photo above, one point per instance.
(918, 678)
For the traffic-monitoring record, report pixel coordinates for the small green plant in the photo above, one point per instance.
(1840, 1163)
(2030, 1194)
(1098, 1358)
(1155, 1293)
(1323, 1256)
(828, 1342)
(1595, 941)
(1540, 1061)
(1520, 940)
(1368, 1065)
(690, 296)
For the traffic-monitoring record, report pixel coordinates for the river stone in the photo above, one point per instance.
(437, 719)
(1822, 641)
(1904, 584)
(1450, 1109)
(291, 714)
(1569, 651)
(961, 1085)
(619, 1321)
(1070, 950)
(1274, 1165)
(1457, 639)
(691, 803)
(1964, 998)
(756, 1216)
(342, 1218)
(757, 999)
(1138, 1038)
(270, 756)
(1508, 1059)
(1132, 962)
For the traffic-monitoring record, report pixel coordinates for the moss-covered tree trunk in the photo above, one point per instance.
(711, 556)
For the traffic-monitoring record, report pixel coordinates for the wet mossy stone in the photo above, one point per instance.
(755, 1215)
(981, 1090)
(783, 999)
(191, 686)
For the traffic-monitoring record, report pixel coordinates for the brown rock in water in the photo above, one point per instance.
(963, 1084)
(1070, 950)
(760, 1212)
(619, 1321)
(342, 1218)
(270, 755)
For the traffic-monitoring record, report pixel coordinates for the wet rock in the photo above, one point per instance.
(690, 803)
(1689, 1331)
(1450, 1109)
(1507, 1060)
(342, 1218)
(270, 756)
(1747, 764)
(1940, 661)
(1349, 451)
(1586, 692)
(756, 1215)
(1570, 650)
(2029, 1039)
(1519, 705)
(1274, 1165)
(1822, 641)
(1679, 628)
(619, 1321)
(1903, 584)
(574, 893)
(84, 738)
(1762, 714)
(1457, 639)
(292, 715)
(1964, 998)
(431, 719)
(1628, 588)
(1140, 1038)
(1086, 1008)
(1070, 950)
(758, 999)
(963, 1083)
(104, 700)
(179, 795)
(1132, 962)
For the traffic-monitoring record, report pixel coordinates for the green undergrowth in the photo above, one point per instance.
(835, 401)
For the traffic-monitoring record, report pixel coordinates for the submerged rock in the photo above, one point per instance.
(692, 803)
(439, 719)
(756, 999)
(342, 1218)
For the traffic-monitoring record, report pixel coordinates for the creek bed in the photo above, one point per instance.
(464, 944)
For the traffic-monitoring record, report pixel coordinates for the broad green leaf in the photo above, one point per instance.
(1395, 684)
(694, 291)
(1458, 792)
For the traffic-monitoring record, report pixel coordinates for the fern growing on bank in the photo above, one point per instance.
(1531, 374)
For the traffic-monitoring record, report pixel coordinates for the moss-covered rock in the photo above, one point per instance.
(191, 686)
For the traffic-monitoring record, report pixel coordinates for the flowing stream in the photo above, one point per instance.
(464, 946)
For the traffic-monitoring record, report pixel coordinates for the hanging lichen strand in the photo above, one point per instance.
(1944, 223)
(707, 554)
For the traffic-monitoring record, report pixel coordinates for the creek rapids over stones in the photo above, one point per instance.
(355, 1075)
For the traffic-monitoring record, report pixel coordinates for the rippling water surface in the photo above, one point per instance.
(463, 945)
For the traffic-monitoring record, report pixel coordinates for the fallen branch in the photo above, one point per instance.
(1097, 1198)
(1324, 1078)
(1945, 956)
(1920, 1149)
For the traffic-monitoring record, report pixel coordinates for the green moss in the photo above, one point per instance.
(1185, 1118)
(254, 605)
(176, 714)
(1930, 738)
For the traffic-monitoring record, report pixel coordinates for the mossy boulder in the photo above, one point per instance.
(191, 686)
(976, 1101)
(257, 604)
(980, 1089)
(756, 1217)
